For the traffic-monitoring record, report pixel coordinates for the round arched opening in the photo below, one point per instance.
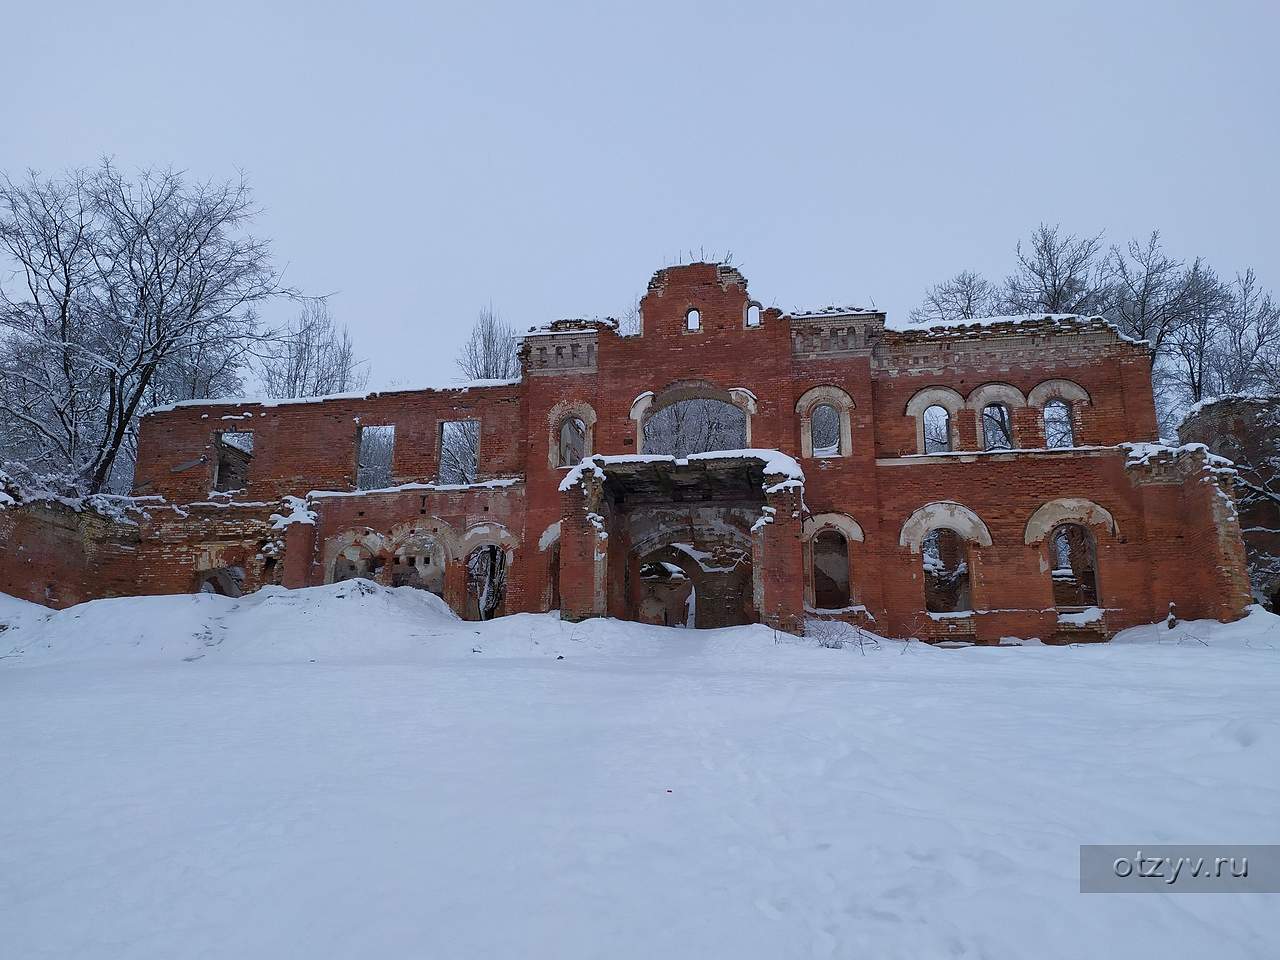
(695, 425)
(573, 442)
(419, 563)
(1073, 553)
(355, 561)
(937, 429)
(486, 582)
(824, 424)
(945, 557)
(1058, 432)
(829, 553)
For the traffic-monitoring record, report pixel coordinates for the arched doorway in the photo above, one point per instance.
(702, 582)
(419, 562)
(1073, 553)
(353, 562)
(486, 581)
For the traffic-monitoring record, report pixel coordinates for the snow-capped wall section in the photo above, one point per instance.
(463, 386)
(1056, 323)
(778, 467)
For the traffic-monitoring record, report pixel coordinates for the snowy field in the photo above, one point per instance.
(349, 771)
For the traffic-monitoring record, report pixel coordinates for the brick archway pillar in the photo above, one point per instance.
(777, 556)
(455, 585)
(299, 550)
(584, 550)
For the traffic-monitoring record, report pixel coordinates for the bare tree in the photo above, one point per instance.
(1149, 294)
(630, 324)
(966, 296)
(1248, 346)
(459, 451)
(124, 293)
(491, 350)
(312, 356)
(1208, 336)
(1056, 273)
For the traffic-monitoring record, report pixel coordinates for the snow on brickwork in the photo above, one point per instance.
(298, 511)
(495, 484)
(460, 387)
(1059, 322)
(775, 463)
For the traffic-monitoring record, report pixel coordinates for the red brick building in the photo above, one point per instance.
(974, 482)
(1246, 431)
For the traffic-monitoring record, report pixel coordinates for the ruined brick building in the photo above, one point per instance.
(1246, 431)
(977, 481)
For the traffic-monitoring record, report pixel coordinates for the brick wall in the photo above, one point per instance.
(1147, 557)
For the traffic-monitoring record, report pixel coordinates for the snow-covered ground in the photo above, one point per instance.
(349, 771)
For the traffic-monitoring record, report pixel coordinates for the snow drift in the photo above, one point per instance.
(352, 771)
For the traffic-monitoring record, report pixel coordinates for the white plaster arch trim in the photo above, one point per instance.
(989, 393)
(550, 537)
(1067, 390)
(836, 398)
(424, 529)
(640, 405)
(744, 400)
(1068, 510)
(351, 542)
(950, 400)
(487, 533)
(824, 394)
(943, 514)
(556, 417)
(818, 522)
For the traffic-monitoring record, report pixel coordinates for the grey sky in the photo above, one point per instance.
(420, 160)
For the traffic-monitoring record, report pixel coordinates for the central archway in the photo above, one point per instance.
(697, 577)
(694, 416)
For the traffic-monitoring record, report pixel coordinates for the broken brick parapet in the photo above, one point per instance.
(611, 534)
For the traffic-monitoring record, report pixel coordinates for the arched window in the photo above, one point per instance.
(573, 442)
(826, 423)
(830, 560)
(945, 557)
(997, 427)
(937, 430)
(753, 315)
(938, 435)
(1074, 556)
(825, 431)
(1057, 425)
(699, 425)
(693, 320)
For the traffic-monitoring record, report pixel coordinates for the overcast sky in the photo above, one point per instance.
(419, 160)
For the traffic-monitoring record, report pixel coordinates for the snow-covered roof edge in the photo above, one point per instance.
(494, 484)
(460, 387)
(1065, 320)
(831, 310)
(1201, 405)
(775, 463)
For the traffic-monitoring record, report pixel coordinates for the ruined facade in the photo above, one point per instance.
(966, 482)
(1246, 431)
